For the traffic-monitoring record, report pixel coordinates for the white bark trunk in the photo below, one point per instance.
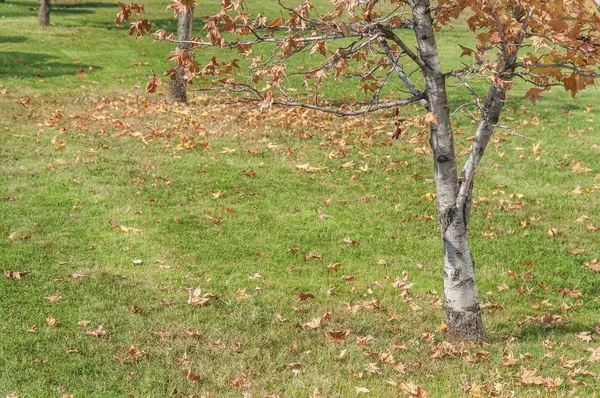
(463, 314)
(178, 86)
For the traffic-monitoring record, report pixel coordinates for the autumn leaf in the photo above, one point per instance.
(191, 376)
(196, 297)
(533, 94)
(338, 337)
(305, 296)
(55, 298)
(314, 323)
(15, 274)
(98, 332)
(154, 81)
(595, 355)
(528, 376)
(594, 265)
(578, 168)
(465, 51)
(242, 380)
(412, 390)
(51, 321)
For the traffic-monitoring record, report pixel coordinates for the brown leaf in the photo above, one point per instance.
(99, 332)
(595, 356)
(242, 380)
(51, 321)
(191, 376)
(196, 297)
(15, 274)
(305, 296)
(413, 390)
(315, 323)
(528, 376)
(55, 298)
(338, 337)
(594, 265)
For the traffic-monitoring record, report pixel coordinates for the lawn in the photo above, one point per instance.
(313, 239)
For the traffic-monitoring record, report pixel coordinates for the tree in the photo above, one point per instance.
(532, 42)
(178, 84)
(44, 14)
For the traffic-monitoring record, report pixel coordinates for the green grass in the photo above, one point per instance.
(64, 194)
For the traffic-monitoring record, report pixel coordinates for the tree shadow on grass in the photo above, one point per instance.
(539, 332)
(70, 11)
(169, 24)
(13, 39)
(85, 4)
(29, 8)
(31, 65)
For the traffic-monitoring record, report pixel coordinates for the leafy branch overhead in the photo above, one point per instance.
(554, 44)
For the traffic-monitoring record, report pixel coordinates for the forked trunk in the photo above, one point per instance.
(44, 14)
(178, 86)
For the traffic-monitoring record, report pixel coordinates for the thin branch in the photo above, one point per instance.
(573, 68)
(513, 132)
(389, 34)
(241, 88)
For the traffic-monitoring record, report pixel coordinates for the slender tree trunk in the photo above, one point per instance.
(463, 314)
(44, 14)
(178, 86)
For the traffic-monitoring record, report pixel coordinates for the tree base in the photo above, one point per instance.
(465, 325)
(177, 91)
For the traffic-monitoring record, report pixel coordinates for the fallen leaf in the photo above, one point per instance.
(595, 356)
(305, 296)
(191, 376)
(51, 321)
(55, 298)
(338, 337)
(15, 274)
(99, 332)
(594, 265)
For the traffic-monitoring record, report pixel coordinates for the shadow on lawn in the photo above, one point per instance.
(30, 8)
(32, 65)
(536, 331)
(169, 24)
(13, 39)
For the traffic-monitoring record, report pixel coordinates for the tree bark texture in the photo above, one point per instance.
(178, 86)
(44, 14)
(463, 314)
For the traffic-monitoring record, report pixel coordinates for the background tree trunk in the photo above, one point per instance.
(463, 314)
(44, 14)
(178, 86)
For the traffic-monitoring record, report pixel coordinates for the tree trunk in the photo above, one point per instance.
(463, 314)
(44, 14)
(178, 86)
